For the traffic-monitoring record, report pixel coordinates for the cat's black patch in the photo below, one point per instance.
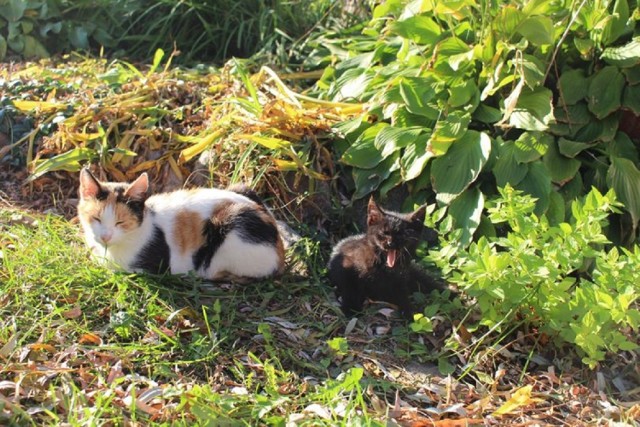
(102, 194)
(213, 237)
(155, 255)
(249, 225)
(254, 229)
(137, 208)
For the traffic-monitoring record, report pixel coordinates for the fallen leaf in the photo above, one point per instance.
(519, 398)
(90, 339)
(72, 313)
(350, 326)
(9, 346)
(42, 347)
(318, 410)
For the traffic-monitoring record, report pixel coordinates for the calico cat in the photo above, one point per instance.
(218, 234)
(377, 265)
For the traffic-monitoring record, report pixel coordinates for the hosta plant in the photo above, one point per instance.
(467, 96)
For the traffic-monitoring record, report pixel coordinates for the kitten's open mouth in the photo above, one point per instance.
(391, 257)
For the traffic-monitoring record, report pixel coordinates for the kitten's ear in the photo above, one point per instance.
(419, 214)
(89, 185)
(374, 213)
(139, 188)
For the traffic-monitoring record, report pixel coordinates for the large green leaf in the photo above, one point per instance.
(486, 114)
(368, 180)
(632, 75)
(351, 85)
(12, 10)
(3, 47)
(534, 110)
(401, 117)
(573, 85)
(416, 92)
(562, 169)
(622, 146)
(605, 91)
(507, 169)
(631, 99)
(507, 20)
(537, 183)
(33, 48)
(448, 129)
(391, 139)
(462, 93)
(451, 52)
(598, 130)
(570, 148)
(363, 152)
(419, 28)
(466, 211)
(530, 146)
(624, 177)
(532, 68)
(537, 7)
(68, 161)
(556, 211)
(623, 56)
(537, 29)
(616, 25)
(414, 158)
(452, 173)
(575, 116)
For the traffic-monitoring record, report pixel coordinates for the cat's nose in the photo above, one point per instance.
(106, 237)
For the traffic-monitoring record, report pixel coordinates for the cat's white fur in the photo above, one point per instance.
(234, 256)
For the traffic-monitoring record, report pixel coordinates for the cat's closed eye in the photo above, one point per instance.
(119, 223)
(96, 219)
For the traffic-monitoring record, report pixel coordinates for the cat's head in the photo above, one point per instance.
(110, 211)
(396, 234)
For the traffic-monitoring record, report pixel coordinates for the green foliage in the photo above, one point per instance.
(36, 29)
(558, 278)
(468, 94)
(201, 30)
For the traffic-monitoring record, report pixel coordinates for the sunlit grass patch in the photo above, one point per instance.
(81, 344)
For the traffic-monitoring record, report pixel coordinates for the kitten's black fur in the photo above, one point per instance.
(378, 265)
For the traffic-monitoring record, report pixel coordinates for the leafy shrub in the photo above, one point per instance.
(201, 30)
(467, 96)
(556, 278)
(34, 29)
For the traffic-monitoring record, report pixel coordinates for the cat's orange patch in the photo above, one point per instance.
(128, 221)
(280, 252)
(89, 208)
(187, 231)
(223, 211)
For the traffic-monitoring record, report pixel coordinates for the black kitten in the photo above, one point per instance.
(377, 265)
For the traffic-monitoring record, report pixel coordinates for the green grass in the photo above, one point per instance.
(83, 343)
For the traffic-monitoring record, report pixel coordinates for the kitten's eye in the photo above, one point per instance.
(119, 222)
(96, 219)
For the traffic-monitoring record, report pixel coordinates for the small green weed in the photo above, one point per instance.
(558, 279)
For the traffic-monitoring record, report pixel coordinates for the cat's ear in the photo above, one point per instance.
(419, 214)
(89, 185)
(374, 213)
(138, 189)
